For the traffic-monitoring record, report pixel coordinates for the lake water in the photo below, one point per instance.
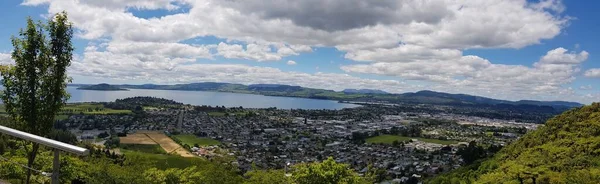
(208, 98)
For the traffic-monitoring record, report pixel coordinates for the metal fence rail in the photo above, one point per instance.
(57, 145)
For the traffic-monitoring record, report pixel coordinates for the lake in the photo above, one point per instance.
(208, 98)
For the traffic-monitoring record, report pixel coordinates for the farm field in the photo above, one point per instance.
(155, 138)
(90, 108)
(168, 144)
(136, 138)
(389, 139)
(190, 140)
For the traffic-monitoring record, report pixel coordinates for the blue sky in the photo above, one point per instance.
(543, 50)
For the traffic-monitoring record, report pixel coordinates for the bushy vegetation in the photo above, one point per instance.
(138, 103)
(565, 150)
(104, 166)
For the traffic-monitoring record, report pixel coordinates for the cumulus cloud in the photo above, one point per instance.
(165, 49)
(586, 87)
(290, 62)
(469, 73)
(562, 56)
(253, 51)
(433, 23)
(5, 59)
(105, 64)
(593, 73)
(407, 39)
(343, 15)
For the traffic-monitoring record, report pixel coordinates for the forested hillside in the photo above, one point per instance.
(565, 150)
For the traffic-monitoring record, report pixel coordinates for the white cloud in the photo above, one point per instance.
(593, 73)
(403, 53)
(165, 49)
(561, 56)
(105, 64)
(408, 39)
(253, 51)
(5, 59)
(440, 24)
(475, 74)
(586, 87)
(290, 62)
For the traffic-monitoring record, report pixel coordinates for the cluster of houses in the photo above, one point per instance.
(277, 138)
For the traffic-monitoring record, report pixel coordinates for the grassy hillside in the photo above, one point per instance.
(565, 150)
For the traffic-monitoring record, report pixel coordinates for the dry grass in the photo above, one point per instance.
(136, 138)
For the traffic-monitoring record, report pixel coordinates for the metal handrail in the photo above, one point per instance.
(57, 145)
(44, 141)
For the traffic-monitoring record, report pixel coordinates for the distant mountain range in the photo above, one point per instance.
(364, 91)
(363, 95)
(462, 98)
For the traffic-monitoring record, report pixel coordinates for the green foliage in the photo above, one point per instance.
(34, 88)
(565, 150)
(471, 153)
(63, 136)
(267, 177)
(326, 172)
(164, 161)
(113, 142)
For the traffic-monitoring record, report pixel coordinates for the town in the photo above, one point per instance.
(400, 144)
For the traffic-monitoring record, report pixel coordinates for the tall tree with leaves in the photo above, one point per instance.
(34, 87)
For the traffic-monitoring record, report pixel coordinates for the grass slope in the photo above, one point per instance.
(145, 148)
(165, 161)
(565, 150)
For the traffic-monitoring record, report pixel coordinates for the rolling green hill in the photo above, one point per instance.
(426, 97)
(102, 87)
(565, 150)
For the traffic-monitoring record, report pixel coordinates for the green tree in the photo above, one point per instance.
(34, 88)
(326, 172)
(267, 177)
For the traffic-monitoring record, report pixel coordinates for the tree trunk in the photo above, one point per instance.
(31, 159)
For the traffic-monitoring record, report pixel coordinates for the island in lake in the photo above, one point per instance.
(102, 87)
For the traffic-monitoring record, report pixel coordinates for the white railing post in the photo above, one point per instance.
(55, 166)
(57, 145)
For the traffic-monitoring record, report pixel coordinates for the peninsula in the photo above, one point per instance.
(102, 87)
